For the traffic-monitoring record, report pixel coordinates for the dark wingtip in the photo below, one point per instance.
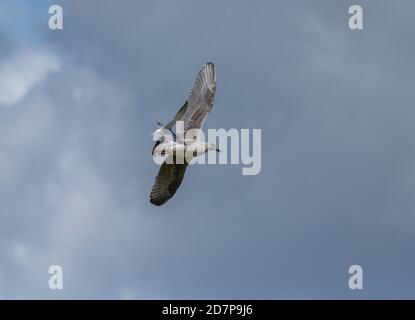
(157, 203)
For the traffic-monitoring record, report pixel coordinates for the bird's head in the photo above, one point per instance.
(212, 146)
(159, 133)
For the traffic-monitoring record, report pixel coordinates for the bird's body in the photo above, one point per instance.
(183, 151)
(177, 150)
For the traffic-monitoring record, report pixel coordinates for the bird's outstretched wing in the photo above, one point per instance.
(179, 116)
(167, 182)
(200, 99)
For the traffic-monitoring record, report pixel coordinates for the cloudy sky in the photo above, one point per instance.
(337, 185)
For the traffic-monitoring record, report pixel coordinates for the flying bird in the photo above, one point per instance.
(176, 149)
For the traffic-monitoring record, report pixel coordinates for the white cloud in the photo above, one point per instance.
(65, 205)
(22, 71)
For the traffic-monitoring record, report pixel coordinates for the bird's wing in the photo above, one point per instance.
(167, 182)
(200, 100)
(179, 116)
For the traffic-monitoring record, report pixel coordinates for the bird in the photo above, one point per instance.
(177, 151)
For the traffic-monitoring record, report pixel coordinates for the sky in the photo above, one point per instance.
(337, 185)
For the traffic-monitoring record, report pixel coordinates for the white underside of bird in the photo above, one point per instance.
(183, 151)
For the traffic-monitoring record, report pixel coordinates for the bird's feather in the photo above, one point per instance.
(168, 180)
(200, 100)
